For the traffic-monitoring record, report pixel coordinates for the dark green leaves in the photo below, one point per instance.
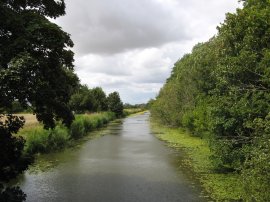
(36, 70)
(221, 91)
(115, 104)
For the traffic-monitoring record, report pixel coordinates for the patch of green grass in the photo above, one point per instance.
(83, 124)
(39, 140)
(219, 186)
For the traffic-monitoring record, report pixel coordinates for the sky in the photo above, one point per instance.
(130, 46)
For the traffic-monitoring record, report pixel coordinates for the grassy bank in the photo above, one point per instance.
(39, 140)
(130, 111)
(218, 186)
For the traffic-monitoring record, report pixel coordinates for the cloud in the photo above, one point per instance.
(108, 27)
(137, 74)
(130, 46)
(149, 65)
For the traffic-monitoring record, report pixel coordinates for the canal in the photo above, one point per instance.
(126, 164)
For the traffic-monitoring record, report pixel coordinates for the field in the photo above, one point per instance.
(30, 120)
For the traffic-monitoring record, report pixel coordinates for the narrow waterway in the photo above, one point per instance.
(126, 164)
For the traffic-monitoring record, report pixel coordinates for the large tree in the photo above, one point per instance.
(36, 69)
(100, 99)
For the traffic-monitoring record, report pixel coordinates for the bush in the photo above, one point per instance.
(256, 169)
(256, 172)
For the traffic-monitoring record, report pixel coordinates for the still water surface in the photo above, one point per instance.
(126, 164)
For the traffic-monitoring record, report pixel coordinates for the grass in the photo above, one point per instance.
(219, 186)
(86, 123)
(130, 111)
(39, 140)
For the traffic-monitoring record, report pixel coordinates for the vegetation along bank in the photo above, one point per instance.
(220, 93)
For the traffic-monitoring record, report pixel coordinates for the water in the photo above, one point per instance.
(127, 164)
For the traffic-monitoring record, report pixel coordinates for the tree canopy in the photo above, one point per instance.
(221, 92)
(35, 62)
(36, 70)
(115, 104)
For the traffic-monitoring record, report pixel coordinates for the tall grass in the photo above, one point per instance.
(86, 123)
(39, 140)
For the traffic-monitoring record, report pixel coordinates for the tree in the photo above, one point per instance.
(35, 64)
(115, 104)
(242, 88)
(100, 99)
(222, 90)
(83, 100)
(35, 69)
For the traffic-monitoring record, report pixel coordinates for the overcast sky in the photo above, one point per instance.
(130, 46)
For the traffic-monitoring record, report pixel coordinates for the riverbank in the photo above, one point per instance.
(218, 186)
(39, 140)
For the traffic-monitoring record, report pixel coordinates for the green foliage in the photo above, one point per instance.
(13, 160)
(40, 140)
(11, 194)
(77, 128)
(35, 62)
(92, 100)
(134, 106)
(149, 104)
(221, 92)
(86, 123)
(256, 169)
(82, 100)
(197, 119)
(35, 69)
(115, 104)
(100, 99)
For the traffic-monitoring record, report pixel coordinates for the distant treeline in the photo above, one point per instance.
(221, 91)
(135, 106)
(82, 100)
(95, 100)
